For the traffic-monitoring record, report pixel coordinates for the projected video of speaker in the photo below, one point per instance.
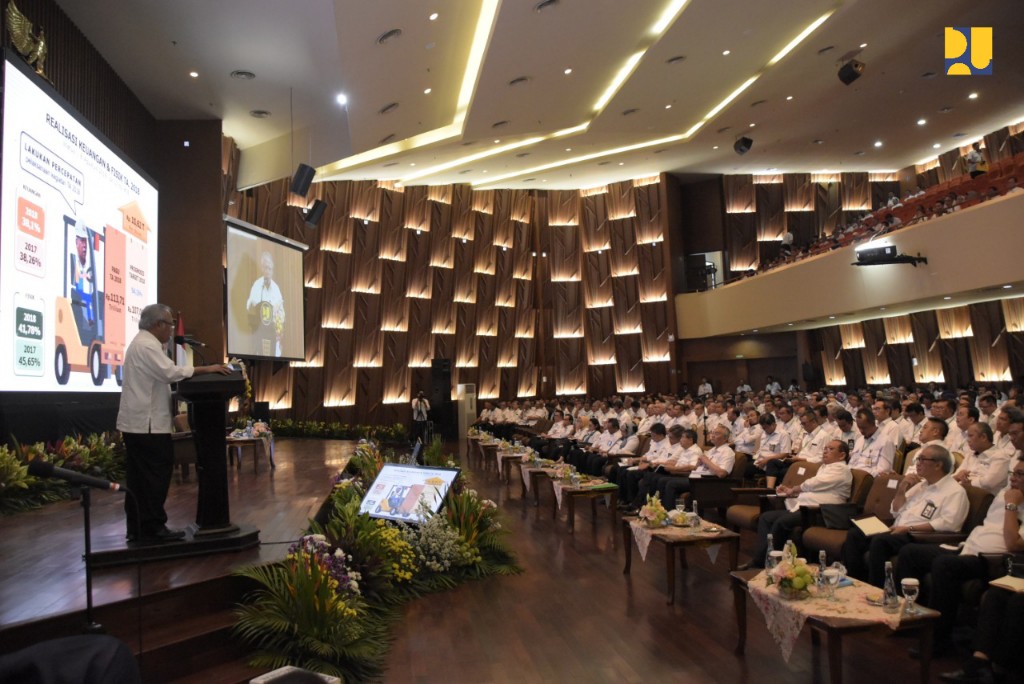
(264, 294)
(407, 493)
(78, 245)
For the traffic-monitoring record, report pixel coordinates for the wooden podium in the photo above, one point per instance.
(209, 395)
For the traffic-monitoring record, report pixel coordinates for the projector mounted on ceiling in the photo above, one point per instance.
(881, 255)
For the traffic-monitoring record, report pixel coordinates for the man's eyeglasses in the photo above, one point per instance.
(165, 322)
(926, 458)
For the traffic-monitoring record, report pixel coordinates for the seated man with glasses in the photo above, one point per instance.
(929, 500)
(1001, 532)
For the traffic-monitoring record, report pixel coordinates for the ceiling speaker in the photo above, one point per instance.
(315, 213)
(851, 71)
(302, 179)
(743, 145)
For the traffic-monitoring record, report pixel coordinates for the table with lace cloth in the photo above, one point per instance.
(707, 536)
(851, 613)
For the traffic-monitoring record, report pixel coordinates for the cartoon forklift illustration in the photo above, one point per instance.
(89, 331)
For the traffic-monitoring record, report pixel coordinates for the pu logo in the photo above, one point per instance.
(968, 50)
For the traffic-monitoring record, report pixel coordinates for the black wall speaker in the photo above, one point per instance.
(851, 71)
(315, 213)
(743, 145)
(302, 179)
(440, 382)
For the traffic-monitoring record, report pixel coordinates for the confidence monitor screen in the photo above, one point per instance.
(78, 245)
(264, 283)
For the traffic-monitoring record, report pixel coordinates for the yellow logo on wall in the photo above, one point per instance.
(968, 50)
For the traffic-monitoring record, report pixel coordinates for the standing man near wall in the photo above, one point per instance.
(420, 408)
(144, 419)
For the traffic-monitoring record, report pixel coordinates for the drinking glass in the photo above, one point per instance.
(911, 587)
(832, 576)
(774, 558)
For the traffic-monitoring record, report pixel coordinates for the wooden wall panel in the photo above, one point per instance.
(595, 230)
(741, 242)
(620, 201)
(855, 192)
(798, 192)
(649, 223)
(771, 212)
(739, 193)
(623, 253)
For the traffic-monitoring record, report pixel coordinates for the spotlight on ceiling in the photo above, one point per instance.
(851, 71)
(743, 145)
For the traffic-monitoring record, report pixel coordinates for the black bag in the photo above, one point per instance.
(839, 516)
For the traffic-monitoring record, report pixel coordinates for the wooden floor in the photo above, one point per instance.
(42, 572)
(571, 616)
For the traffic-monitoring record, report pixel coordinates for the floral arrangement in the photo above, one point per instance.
(792, 576)
(329, 605)
(652, 512)
(102, 455)
(397, 432)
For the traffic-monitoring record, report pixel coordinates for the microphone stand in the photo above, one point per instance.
(91, 626)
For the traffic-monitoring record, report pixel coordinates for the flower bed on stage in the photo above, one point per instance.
(328, 607)
(313, 428)
(97, 455)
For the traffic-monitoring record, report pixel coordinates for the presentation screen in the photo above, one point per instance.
(264, 283)
(399, 491)
(78, 245)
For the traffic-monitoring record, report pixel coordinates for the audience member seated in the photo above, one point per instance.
(831, 485)
(716, 462)
(1001, 532)
(985, 466)
(928, 500)
(775, 445)
(874, 449)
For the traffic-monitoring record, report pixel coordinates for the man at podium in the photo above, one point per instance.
(144, 419)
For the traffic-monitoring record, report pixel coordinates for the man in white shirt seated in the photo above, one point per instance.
(873, 451)
(882, 410)
(989, 409)
(984, 466)
(682, 457)
(624, 445)
(687, 418)
(815, 437)
(1001, 532)
(831, 485)
(654, 415)
(485, 414)
(915, 419)
(743, 387)
(748, 440)
(715, 462)
(845, 430)
(775, 445)
(933, 432)
(956, 440)
(660, 450)
(929, 500)
(1000, 431)
(704, 389)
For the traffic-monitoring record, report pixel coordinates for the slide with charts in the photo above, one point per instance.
(78, 258)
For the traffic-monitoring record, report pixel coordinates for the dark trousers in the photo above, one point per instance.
(1001, 628)
(949, 571)
(671, 488)
(419, 431)
(879, 548)
(777, 468)
(149, 462)
(781, 525)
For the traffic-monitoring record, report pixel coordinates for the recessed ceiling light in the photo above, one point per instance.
(568, 149)
(341, 98)
(675, 60)
(433, 17)
(788, 98)
(789, 324)
(243, 75)
(947, 298)
(715, 147)
(726, 53)
(631, 110)
(946, 110)
(484, 171)
(936, 146)
(500, 124)
(858, 153)
(523, 154)
(863, 45)
(752, 125)
(621, 163)
(668, 106)
(496, 142)
(1007, 287)
(878, 143)
(567, 71)
(831, 318)
(922, 122)
(194, 74)
(818, 141)
(881, 308)
(754, 330)
(412, 163)
(519, 80)
(972, 96)
(427, 91)
(543, 180)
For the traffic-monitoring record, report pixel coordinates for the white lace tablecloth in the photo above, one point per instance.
(642, 535)
(785, 618)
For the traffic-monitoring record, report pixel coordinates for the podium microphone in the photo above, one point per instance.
(189, 340)
(47, 469)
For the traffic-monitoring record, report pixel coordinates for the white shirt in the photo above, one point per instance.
(705, 389)
(748, 440)
(988, 536)
(814, 444)
(559, 431)
(743, 388)
(146, 392)
(776, 443)
(873, 454)
(773, 387)
(689, 456)
(721, 456)
(831, 484)
(657, 452)
(1002, 442)
(987, 470)
(625, 446)
(420, 408)
(646, 423)
(943, 505)
(956, 441)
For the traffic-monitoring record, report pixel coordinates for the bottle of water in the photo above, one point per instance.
(695, 520)
(768, 555)
(890, 600)
(819, 581)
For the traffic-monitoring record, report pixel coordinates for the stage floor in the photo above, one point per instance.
(43, 574)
